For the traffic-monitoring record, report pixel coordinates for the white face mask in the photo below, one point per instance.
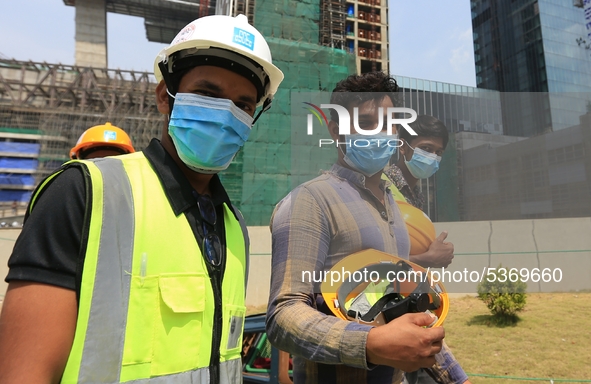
(207, 132)
(423, 164)
(369, 154)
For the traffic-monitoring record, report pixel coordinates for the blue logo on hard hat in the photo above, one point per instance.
(244, 38)
(110, 135)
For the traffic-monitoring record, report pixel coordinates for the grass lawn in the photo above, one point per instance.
(551, 340)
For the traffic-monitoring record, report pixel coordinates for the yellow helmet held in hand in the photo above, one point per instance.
(374, 288)
(420, 228)
(105, 136)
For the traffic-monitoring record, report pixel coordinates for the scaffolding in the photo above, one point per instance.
(245, 7)
(203, 8)
(262, 173)
(55, 103)
(332, 19)
(58, 102)
(162, 18)
(374, 31)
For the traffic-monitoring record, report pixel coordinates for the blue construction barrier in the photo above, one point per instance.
(28, 148)
(18, 163)
(12, 195)
(15, 179)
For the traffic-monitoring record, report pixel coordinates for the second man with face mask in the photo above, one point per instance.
(322, 222)
(418, 158)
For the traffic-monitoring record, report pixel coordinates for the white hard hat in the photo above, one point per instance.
(218, 39)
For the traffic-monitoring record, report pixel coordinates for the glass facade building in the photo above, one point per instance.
(532, 46)
(462, 109)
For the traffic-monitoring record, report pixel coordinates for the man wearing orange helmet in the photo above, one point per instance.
(132, 268)
(102, 141)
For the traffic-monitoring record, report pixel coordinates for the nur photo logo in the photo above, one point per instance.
(393, 116)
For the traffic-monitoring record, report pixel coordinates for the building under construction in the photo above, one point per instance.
(358, 26)
(45, 107)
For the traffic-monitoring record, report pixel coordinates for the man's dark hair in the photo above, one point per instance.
(425, 126)
(360, 88)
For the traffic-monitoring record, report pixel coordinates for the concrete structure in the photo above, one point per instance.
(485, 175)
(162, 19)
(45, 107)
(366, 30)
(91, 33)
(561, 247)
(468, 140)
(558, 248)
(358, 26)
(547, 176)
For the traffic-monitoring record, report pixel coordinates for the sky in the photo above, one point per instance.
(432, 40)
(428, 39)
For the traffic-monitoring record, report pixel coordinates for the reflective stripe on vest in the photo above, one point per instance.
(230, 372)
(398, 196)
(113, 308)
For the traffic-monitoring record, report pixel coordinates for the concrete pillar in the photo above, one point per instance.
(91, 33)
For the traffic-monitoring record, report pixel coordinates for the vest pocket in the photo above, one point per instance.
(141, 317)
(232, 328)
(177, 332)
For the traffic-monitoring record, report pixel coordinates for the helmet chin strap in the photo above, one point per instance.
(266, 106)
(168, 83)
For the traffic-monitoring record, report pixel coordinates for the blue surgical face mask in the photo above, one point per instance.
(423, 164)
(207, 132)
(369, 154)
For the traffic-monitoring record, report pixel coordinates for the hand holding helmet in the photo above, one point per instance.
(404, 343)
(390, 287)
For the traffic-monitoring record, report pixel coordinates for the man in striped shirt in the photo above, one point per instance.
(343, 211)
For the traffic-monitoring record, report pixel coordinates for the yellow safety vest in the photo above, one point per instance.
(146, 311)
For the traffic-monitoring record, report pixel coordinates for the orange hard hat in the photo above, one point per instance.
(374, 287)
(107, 135)
(420, 228)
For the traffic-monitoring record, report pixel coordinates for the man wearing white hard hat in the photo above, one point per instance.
(132, 268)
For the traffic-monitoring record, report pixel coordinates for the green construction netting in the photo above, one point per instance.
(446, 187)
(21, 131)
(261, 174)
